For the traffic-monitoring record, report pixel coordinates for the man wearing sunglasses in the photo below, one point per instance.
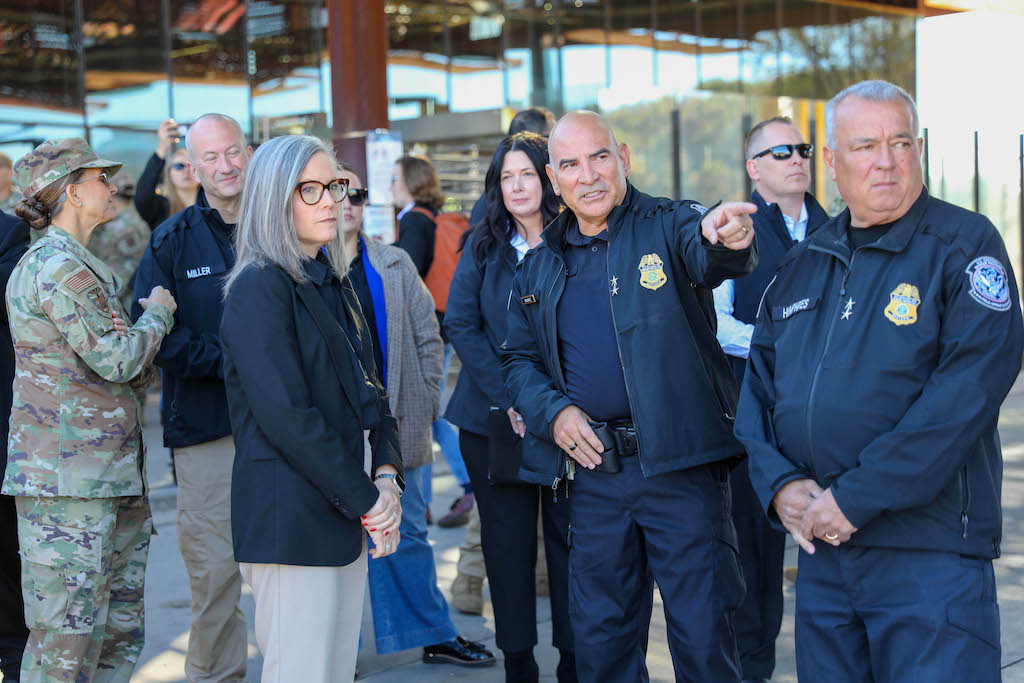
(778, 163)
(189, 254)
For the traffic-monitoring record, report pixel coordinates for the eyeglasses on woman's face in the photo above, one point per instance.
(312, 191)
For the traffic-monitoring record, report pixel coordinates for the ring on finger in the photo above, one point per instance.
(573, 446)
(831, 537)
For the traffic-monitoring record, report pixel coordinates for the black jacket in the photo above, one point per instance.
(189, 255)
(681, 390)
(154, 208)
(891, 400)
(416, 236)
(298, 485)
(14, 238)
(773, 243)
(477, 322)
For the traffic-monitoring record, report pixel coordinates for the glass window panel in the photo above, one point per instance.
(585, 53)
(125, 77)
(417, 57)
(631, 46)
(287, 44)
(209, 60)
(530, 59)
(40, 96)
(475, 28)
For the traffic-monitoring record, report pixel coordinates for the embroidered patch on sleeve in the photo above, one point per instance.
(988, 285)
(81, 280)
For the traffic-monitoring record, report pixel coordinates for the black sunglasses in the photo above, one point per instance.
(178, 166)
(783, 152)
(312, 191)
(358, 197)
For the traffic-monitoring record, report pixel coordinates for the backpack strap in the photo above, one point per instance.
(425, 211)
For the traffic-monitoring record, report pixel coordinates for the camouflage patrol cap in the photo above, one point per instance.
(54, 159)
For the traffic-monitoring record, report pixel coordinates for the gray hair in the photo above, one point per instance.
(266, 228)
(873, 91)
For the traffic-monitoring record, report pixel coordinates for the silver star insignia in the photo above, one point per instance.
(615, 285)
(848, 310)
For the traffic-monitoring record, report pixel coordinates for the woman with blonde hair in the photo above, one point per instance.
(179, 186)
(317, 466)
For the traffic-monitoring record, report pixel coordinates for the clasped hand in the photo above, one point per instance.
(808, 512)
(381, 522)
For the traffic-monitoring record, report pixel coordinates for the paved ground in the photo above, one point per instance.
(167, 598)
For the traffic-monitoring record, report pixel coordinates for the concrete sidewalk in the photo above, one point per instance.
(167, 595)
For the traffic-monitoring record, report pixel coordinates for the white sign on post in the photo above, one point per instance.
(383, 148)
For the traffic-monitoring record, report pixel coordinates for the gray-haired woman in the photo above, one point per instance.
(304, 398)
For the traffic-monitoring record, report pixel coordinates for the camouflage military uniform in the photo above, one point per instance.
(76, 459)
(120, 244)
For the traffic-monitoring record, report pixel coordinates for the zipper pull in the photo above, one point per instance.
(963, 521)
(554, 489)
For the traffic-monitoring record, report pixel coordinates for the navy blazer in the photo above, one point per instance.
(14, 239)
(298, 486)
(477, 322)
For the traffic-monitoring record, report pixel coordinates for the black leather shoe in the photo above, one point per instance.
(459, 651)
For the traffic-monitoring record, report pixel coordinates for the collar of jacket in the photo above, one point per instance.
(69, 243)
(634, 202)
(211, 214)
(816, 216)
(833, 237)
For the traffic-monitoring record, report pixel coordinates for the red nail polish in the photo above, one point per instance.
(373, 529)
(364, 516)
(386, 533)
(364, 523)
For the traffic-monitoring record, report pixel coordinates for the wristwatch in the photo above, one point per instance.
(393, 478)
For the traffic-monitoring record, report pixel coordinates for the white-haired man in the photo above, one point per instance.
(882, 352)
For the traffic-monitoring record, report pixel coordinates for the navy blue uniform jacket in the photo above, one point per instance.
(298, 486)
(891, 400)
(681, 391)
(189, 254)
(14, 239)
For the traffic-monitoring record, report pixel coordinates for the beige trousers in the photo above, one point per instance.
(308, 619)
(218, 639)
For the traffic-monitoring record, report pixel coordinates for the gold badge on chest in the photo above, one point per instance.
(903, 303)
(652, 271)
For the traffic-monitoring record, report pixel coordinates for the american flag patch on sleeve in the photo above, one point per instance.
(81, 280)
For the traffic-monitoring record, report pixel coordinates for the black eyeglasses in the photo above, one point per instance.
(178, 166)
(358, 197)
(311, 191)
(783, 152)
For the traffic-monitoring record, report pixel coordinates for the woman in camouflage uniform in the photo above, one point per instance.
(75, 449)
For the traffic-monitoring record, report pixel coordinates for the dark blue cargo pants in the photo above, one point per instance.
(628, 531)
(882, 614)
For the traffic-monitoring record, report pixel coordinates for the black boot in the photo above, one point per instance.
(521, 667)
(566, 671)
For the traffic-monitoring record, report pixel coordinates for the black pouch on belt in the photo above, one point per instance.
(610, 456)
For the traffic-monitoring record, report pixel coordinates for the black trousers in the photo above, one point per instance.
(759, 617)
(13, 632)
(508, 535)
(629, 531)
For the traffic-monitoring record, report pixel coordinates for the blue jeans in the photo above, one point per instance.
(408, 608)
(447, 437)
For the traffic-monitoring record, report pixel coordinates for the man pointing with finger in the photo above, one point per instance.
(611, 354)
